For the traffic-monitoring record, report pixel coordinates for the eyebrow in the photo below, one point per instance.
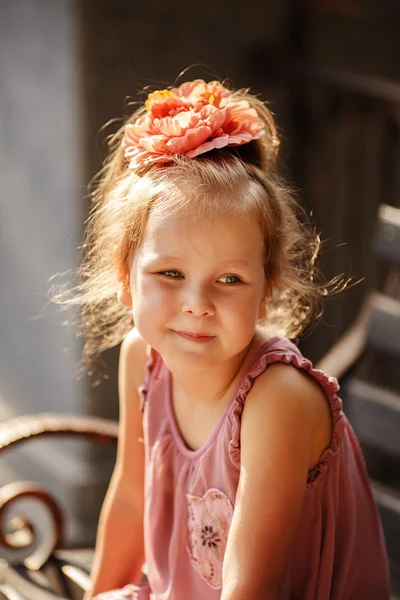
(156, 258)
(239, 263)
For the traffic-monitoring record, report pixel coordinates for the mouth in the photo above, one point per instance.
(195, 337)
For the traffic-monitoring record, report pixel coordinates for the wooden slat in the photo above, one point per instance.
(8, 593)
(383, 331)
(27, 585)
(387, 234)
(350, 346)
(374, 414)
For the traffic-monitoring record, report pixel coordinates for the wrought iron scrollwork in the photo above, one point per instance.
(45, 573)
(22, 532)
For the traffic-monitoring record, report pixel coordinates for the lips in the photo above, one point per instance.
(195, 337)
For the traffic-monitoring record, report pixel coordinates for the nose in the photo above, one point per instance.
(197, 302)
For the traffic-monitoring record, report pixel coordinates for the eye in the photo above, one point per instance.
(172, 274)
(230, 279)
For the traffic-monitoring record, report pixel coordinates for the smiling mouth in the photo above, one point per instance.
(195, 337)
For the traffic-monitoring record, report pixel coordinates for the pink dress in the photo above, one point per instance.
(339, 550)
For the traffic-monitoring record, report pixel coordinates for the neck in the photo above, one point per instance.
(217, 383)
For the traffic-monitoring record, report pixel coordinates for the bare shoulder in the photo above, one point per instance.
(133, 358)
(289, 395)
(287, 381)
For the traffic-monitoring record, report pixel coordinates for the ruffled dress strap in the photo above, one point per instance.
(282, 350)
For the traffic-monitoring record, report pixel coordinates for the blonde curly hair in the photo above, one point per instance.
(232, 179)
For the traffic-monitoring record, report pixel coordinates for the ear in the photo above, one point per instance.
(124, 292)
(262, 312)
(124, 295)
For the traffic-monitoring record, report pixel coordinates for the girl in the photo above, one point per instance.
(250, 483)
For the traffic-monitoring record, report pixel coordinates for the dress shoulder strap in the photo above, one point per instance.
(282, 350)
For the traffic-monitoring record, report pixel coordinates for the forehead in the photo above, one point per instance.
(217, 236)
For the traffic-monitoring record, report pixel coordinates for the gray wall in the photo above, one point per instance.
(41, 205)
(42, 210)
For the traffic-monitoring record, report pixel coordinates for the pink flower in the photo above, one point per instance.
(209, 521)
(195, 118)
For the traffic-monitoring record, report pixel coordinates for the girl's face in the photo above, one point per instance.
(198, 286)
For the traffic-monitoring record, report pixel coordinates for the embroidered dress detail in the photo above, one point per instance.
(209, 521)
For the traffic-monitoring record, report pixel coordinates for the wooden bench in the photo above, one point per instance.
(366, 362)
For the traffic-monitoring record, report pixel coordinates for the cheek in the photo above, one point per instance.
(242, 304)
(151, 297)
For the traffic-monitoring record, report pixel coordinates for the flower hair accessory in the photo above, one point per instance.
(189, 120)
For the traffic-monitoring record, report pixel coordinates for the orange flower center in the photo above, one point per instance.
(210, 98)
(158, 97)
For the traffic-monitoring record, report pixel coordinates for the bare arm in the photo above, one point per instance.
(119, 552)
(277, 431)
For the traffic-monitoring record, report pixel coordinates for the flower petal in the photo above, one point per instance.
(219, 142)
(153, 143)
(192, 139)
(177, 125)
(214, 117)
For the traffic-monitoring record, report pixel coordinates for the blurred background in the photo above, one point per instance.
(330, 70)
